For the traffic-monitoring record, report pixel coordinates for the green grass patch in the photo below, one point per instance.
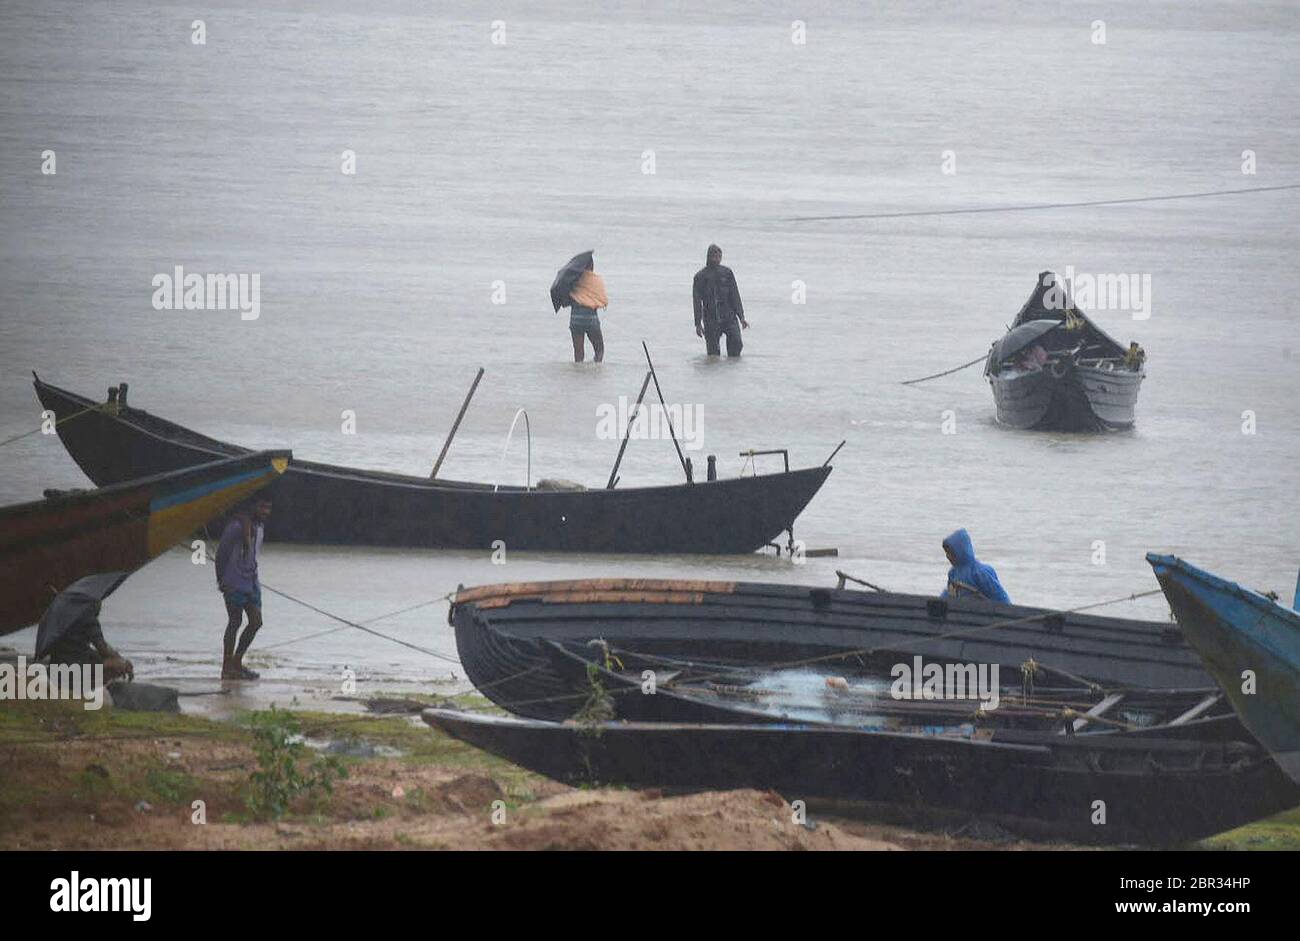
(170, 786)
(1279, 832)
(51, 720)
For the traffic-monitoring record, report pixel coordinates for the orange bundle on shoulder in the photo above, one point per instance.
(590, 291)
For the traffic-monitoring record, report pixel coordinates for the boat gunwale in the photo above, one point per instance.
(83, 495)
(960, 613)
(414, 482)
(1222, 585)
(1233, 753)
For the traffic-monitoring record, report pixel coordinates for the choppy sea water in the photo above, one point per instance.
(481, 167)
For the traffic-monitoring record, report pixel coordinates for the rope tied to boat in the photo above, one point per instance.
(948, 372)
(1028, 669)
(98, 407)
(359, 626)
(342, 627)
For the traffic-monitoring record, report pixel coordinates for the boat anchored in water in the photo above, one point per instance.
(1056, 370)
(325, 503)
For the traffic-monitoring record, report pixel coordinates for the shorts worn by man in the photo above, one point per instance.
(718, 311)
(237, 578)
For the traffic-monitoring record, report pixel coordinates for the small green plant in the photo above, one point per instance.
(598, 707)
(169, 785)
(284, 771)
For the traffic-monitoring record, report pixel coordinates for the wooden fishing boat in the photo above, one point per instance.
(1148, 789)
(323, 503)
(501, 632)
(1251, 644)
(667, 689)
(47, 545)
(1056, 370)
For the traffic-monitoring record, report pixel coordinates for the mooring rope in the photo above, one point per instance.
(343, 627)
(369, 630)
(345, 622)
(57, 423)
(948, 372)
(1032, 207)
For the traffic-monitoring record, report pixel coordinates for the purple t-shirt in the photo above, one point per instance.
(236, 563)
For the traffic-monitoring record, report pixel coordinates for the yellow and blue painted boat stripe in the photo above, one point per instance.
(173, 516)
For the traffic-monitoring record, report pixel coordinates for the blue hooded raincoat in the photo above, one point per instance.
(971, 570)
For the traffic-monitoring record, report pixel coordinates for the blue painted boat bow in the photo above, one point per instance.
(1251, 645)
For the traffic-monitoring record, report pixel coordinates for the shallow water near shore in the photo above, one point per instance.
(479, 164)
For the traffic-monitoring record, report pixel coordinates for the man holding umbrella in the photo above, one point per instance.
(579, 288)
(718, 310)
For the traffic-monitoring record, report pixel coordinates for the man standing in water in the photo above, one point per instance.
(241, 541)
(588, 296)
(717, 305)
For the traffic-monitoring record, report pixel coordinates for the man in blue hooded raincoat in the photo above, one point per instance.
(969, 572)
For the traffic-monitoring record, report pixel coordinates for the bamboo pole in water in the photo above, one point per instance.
(456, 425)
(667, 416)
(613, 475)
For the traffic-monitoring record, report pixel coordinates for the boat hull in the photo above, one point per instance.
(1250, 644)
(47, 545)
(502, 630)
(1154, 791)
(326, 504)
(1079, 399)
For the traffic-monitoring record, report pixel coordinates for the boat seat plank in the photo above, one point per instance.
(1103, 707)
(1198, 710)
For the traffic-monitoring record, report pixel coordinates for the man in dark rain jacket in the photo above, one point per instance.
(718, 310)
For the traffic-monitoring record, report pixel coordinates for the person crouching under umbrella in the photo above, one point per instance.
(83, 643)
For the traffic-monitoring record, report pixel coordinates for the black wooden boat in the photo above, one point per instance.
(502, 630)
(323, 503)
(667, 689)
(1056, 370)
(47, 545)
(1150, 788)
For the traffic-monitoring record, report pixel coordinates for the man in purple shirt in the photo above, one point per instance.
(237, 554)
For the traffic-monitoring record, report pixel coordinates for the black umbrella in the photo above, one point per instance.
(567, 277)
(80, 599)
(1017, 338)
